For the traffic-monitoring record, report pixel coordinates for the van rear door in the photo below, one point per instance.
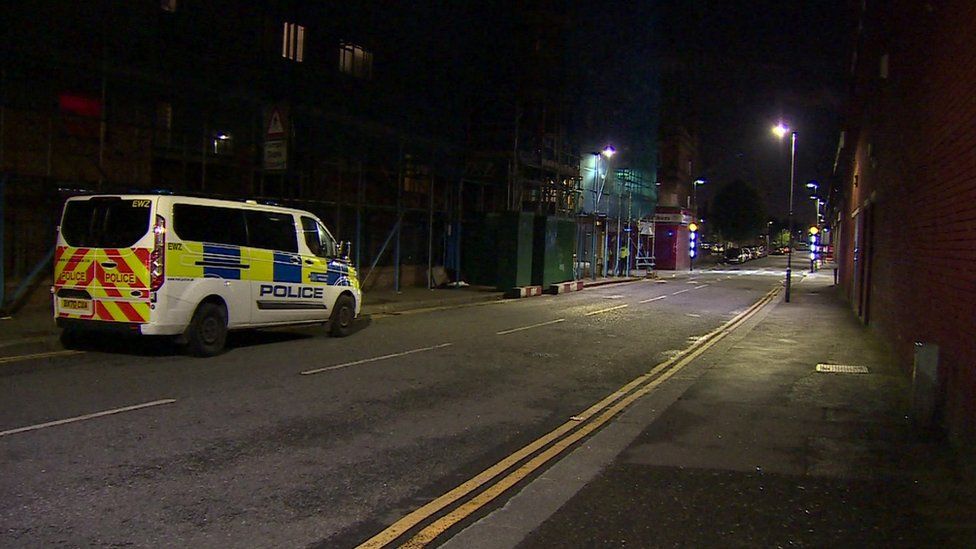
(101, 269)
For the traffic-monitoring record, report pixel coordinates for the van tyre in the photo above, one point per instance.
(207, 332)
(343, 313)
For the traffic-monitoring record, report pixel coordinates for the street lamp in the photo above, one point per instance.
(694, 193)
(607, 152)
(814, 195)
(780, 130)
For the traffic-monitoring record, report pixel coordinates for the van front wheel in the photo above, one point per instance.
(207, 332)
(340, 323)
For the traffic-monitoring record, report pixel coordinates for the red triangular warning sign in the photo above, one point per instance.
(275, 127)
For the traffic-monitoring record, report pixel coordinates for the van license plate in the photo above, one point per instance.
(82, 305)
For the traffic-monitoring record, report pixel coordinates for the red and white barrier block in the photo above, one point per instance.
(563, 287)
(525, 291)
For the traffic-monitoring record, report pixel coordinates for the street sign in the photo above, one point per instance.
(276, 128)
(275, 155)
(672, 218)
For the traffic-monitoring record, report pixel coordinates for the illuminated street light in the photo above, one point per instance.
(780, 130)
(694, 193)
(607, 152)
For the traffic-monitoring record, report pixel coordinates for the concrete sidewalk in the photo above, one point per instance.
(750, 446)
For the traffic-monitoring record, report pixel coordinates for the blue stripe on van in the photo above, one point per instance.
(287, 268)
(338, 274)
(222, 254)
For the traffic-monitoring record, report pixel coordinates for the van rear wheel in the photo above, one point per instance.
(343, 313)
(207, 332)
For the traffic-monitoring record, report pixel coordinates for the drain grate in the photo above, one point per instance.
(841, 369)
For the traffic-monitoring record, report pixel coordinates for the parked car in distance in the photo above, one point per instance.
(734, 255)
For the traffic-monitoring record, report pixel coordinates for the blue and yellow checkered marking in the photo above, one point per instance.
(196, 260)
(287, 267)
(222, 262)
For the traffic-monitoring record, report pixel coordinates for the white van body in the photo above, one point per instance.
(153, 264)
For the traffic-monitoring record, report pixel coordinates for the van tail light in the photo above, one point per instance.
(157, 259)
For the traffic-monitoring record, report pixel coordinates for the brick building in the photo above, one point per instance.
(903, 199)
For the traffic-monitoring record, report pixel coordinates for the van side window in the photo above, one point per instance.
(209, 224)
(271, 231)
(319, 240)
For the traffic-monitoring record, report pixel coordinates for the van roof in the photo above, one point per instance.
(248, 204)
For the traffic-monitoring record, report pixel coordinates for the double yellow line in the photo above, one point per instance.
(549, 446)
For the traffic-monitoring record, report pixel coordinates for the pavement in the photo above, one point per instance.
(751, 446)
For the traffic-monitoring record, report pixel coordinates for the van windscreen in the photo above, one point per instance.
(105, 222)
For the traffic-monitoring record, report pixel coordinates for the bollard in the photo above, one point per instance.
(925, 385)
(835, 276)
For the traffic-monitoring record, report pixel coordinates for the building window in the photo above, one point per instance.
(293, 42)
(223, 143)
(416, 177)
(355, 61)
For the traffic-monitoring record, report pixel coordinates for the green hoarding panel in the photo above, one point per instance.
(478, 258)
(554, 244)
(513, 250)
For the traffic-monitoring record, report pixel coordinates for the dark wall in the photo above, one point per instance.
(907, 229)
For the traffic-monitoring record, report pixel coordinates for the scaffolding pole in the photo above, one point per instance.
(399, 202)
(430, 226)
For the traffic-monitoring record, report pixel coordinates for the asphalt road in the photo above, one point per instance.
(246, 450)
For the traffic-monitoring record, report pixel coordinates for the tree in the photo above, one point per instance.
(782, 238)
(738, 212)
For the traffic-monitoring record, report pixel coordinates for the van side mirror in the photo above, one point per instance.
(344, 249)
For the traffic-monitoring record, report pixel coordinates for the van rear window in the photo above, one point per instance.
(105, 222)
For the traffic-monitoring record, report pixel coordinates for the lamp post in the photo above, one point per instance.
(815, 197)
(694, 194)
(781, 130)
(607, 152)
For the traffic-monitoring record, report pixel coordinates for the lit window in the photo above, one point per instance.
(168, 5)
(355, 61)
(293, 42)
(223, 143)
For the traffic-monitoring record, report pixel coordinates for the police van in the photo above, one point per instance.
(196, 268)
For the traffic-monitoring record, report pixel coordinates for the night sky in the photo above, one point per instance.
(739, 67)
